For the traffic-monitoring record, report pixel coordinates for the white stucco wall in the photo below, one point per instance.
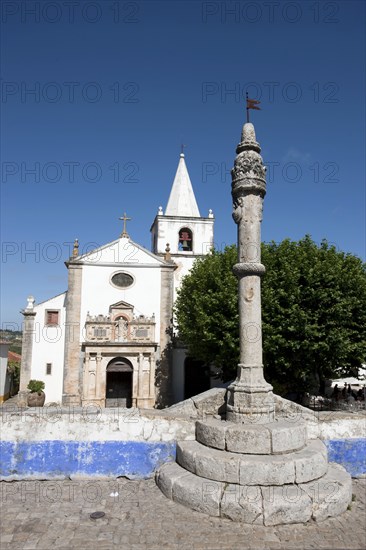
(98, 293)
(92, 423)
(48, 347)
(337, 425)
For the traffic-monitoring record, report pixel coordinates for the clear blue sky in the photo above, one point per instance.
(123, 84)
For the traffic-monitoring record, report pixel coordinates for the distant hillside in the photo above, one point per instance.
(14, 337)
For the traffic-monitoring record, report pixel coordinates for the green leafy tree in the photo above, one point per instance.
(14, 371)
(313, 312)
(207, 311)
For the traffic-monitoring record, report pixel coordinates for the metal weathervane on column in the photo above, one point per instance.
(252, 104)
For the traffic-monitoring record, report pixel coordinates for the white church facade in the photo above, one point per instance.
(108, 340)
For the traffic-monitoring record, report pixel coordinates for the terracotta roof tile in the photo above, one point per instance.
(12, 356)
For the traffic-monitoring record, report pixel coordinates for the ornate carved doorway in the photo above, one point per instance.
(119, 383)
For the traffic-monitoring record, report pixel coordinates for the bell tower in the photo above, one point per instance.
(188, 234)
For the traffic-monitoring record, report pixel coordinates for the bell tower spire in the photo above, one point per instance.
(189, 234)
(182, 201)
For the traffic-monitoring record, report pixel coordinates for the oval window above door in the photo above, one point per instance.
(122, 280)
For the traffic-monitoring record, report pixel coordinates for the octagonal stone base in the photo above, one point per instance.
(271, 438)
(326, 497)
(266, 474)
(299, 467)
(250, 397)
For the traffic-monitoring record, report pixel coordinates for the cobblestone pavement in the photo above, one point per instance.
(56, 514)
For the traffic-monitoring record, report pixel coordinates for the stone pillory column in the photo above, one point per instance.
(27, 346)
(250, 397)
(72, 377)
(251, 450)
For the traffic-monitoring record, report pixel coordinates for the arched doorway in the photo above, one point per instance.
(119, 383)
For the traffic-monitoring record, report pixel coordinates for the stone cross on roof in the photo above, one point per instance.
(124, 232)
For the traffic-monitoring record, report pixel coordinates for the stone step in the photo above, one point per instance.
(326, 497)
(197, 493)
(277, 437)
(244, 469)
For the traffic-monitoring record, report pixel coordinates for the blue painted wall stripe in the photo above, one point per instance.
(350, 453)
(135, 459)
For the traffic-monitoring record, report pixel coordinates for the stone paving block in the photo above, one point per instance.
(287, 438)
(311, 463)
(251, 439)
(156, 522)
(167, 475)
(6, 538)
(198, 493)
(266, 470)
(331, 494)
(286, 504)
(211, 433)
(242, 504)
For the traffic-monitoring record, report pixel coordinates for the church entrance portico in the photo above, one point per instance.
(119, 374)
(120, 355)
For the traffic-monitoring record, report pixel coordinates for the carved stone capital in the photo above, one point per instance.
(249, 163)
(248, 175)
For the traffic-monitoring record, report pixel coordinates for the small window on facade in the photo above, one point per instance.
(52, 317)
(185, 240)
(100, 333)
(48, 368)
